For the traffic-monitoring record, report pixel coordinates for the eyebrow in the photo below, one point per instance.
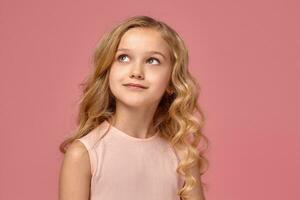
(154, 52)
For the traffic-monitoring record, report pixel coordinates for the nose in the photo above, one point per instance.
(136, 76)
(137, 72)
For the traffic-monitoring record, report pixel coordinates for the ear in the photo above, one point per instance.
(169, 90)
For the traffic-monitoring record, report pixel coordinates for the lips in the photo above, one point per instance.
(135, 85)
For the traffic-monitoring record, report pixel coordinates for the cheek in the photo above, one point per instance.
(160, 80)
(114, 79)
(116, 74)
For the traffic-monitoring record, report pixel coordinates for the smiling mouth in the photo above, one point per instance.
(132, 85)
(135, 87)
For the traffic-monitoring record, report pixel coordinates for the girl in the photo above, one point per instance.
(137, 134)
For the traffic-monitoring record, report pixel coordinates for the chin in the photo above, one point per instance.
(132, 99)
(134, 102)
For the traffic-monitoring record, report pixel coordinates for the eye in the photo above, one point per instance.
(121, 56)
(152, 58)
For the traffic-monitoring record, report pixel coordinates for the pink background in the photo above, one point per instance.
(244, 54)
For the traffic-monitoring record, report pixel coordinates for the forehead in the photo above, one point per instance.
(143, 40)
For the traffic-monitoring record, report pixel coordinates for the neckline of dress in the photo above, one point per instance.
(125, 135)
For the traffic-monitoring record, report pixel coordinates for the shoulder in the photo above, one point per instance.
(75, 173)
(197, 191)
(77, 150)
(94, 136)
(77, 156)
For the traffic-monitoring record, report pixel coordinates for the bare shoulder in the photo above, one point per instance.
(77, 152)
(75, 173)
(77, 157)
(197, 192)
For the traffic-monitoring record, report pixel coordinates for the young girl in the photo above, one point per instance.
(137, 132)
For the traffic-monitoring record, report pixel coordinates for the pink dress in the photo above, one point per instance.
(130, 168)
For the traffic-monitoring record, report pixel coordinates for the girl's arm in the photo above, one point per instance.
(197, 191)
(75, 174)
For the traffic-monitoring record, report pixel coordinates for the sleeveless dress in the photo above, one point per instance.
(130, 168)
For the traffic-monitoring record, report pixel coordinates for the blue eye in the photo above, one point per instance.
(121, 56)
(155, 59)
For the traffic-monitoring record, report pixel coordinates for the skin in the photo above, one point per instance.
(151, 70)
(136, 65)
(75, 173)
(197, 192)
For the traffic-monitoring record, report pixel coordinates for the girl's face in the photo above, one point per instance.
(142, 58)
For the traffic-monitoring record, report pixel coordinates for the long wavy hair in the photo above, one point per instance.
(178, 117)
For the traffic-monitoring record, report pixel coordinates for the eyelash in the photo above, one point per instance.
(148, 59)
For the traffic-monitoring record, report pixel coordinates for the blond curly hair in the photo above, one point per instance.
(178, 116)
